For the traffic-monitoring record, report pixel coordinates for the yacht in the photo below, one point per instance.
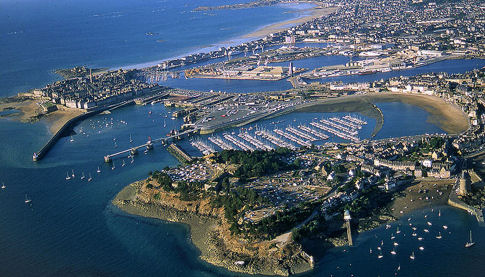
(470, 243)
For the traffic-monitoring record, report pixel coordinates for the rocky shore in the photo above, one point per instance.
(210, 234)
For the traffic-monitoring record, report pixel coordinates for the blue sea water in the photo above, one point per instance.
(71, 228)
(38, 37)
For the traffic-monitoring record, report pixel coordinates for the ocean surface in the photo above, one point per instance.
(71, 229)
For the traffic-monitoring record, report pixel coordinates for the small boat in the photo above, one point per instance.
(429, 223)
(123, 164)
(398, 268)
(414, 228)
(4, 186)
(380, 256)
(398, 231)
(71, 140)
(131, 140)
(445, 227)
(414, 234)
(99, 170)
(82, 176)
(439, 235)
(393, 252)
(421, 248)
(27, 200)
(382, 242)
(370, 250)
(412, 257)
(439, 213)
(469, 243)
(393, 237)
(388, 226)
(113, 167)
(378, 248)
(73, 174)
(395, 244)
(90, 178)
(426, 230)
(420, 238)
(132, 160)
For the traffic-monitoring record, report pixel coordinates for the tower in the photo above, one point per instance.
(347, 219)
(464, 183)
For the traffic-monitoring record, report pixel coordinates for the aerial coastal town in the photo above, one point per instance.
(271, 193)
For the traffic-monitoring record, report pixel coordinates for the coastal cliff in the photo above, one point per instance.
(210, 232)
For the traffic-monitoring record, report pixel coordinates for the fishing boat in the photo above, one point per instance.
(27, 199)
(67, 176)
(99, 170)
(412, 257)
(469, 243)
(439, 235)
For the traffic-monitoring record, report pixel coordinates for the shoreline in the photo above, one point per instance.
(257, 33)
(207, 234)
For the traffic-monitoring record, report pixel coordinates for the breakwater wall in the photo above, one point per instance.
(71, 123)
(178, 153)
(456, 202)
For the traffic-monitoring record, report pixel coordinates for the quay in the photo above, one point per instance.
(180, 154)
(37, 156)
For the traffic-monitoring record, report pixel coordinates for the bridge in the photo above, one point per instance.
(149, 145)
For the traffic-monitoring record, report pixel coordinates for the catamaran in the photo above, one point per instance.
(470, 243)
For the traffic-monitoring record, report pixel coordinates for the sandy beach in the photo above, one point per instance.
(315, 12)
(29, 110)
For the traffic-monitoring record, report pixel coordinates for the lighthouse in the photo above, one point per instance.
(347, 219)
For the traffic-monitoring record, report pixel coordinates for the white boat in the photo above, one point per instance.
(414, 234)
(439, 235)
(426, 230)
(420, 238)
(71, 140)
(470, 243)
(73, 174)
(113, 167)
(429, 223)
(99, 170)
(393, 252)
(421, 248)
(412, 257)
(445, 227)
(90, 178)
(82, 176)
(67, 176)
(123, 164)
(380, 256)
(370, 250)
(4, 186)
(27, 200)
(398, 231)
(395, 244)
(131, 140)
